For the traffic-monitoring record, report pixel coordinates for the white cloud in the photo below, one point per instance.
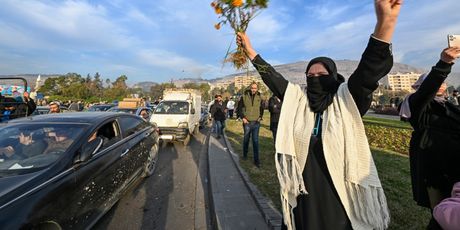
(326, 11)
(165, 59)
(344, 40)
(70, 22)
(138, 16)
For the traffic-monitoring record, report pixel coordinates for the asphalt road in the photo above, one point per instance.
(175, 197)
(373, 114)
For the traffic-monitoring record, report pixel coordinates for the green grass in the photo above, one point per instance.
(386, 122)
(393, 170)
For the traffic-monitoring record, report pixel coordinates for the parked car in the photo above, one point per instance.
(97, 108)
(45, 110)
(135, 111)
(79, 166)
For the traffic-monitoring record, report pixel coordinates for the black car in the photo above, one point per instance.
(96, 108)
(46, 109)
(64, 171)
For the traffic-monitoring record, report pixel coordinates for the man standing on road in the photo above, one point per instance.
(218, 110)
(274, 106)
(250, 109)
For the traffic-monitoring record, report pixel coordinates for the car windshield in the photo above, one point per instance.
(172, 107)
(123, 110)
(26, 148)
(99, 108)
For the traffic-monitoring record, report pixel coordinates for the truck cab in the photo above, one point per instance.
(178, 115)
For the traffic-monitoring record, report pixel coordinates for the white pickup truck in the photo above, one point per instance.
(178, 114)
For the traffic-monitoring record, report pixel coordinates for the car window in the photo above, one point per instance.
(130, 125)
(108, 133)
(122, 110)
(30, 147)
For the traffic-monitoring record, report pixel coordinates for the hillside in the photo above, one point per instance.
(295, 72)
(32, 78)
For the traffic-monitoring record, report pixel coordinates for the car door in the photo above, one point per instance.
(135, 130)
(99, 178)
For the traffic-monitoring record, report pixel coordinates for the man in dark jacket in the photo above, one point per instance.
(218, 113)
(274, 106)
(250, 109)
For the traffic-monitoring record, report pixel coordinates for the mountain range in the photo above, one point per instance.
(294, 72)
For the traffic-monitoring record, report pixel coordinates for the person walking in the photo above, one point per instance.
(328, 179)
(230, 108)
(218, 113)
(433, 151)
(274, 106)
(250, 109)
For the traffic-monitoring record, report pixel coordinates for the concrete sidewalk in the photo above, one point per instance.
(236, 204)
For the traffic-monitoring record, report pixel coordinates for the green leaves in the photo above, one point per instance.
(389, 138)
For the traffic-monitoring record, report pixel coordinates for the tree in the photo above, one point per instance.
(108, 83)
(231, 88)
(119, 89)
(204, 89)
(156, 91)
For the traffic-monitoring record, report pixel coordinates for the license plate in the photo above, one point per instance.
(166, 137)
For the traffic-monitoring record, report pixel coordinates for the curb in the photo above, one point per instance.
(272, 216)
(215, 224)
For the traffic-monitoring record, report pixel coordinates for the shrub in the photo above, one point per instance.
(390, 138)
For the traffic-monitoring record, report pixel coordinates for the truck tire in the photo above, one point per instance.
(196, 129)
(186, 140)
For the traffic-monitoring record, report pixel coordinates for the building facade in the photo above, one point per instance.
(402, 81)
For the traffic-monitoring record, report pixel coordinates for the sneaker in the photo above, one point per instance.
(218, 137)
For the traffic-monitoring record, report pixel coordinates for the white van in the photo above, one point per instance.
(178, 114)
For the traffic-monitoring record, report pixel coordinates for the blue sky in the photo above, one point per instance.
(163, 39)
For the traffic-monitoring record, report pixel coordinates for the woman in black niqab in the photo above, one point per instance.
(322, 88)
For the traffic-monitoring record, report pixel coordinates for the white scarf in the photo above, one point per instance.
(346, 150)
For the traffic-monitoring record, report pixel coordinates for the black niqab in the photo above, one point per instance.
(321, 90)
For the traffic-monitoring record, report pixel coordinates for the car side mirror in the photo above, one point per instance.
(193, 111)
(89, 150)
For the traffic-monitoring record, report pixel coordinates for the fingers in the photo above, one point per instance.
(449, 55)
(396, 2)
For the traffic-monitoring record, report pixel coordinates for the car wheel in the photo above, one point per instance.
(151, 164)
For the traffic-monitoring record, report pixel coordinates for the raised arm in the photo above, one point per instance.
(377, 59)
(387, 12)
(274, 80)
(430, 86)
(30, 103)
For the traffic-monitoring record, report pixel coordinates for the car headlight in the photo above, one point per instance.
(183, 125)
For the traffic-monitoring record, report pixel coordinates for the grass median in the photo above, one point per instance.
(393, 168)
